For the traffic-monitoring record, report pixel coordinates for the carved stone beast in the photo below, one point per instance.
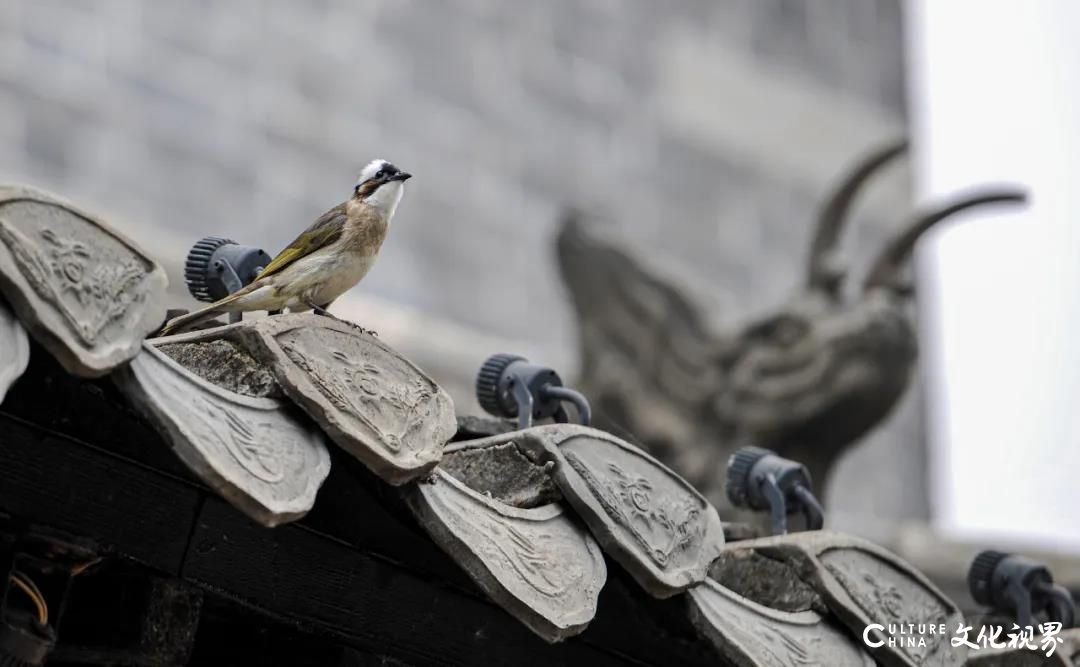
(806, 381)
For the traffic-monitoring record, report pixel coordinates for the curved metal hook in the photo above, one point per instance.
(777, 503)
(1059, 604)
(524, 399)
(812, 509)
(574, 397)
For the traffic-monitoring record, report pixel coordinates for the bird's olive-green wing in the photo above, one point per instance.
(320, 234)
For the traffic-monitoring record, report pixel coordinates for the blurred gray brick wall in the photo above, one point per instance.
(705, 129)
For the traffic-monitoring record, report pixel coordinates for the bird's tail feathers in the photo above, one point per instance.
(181, 322)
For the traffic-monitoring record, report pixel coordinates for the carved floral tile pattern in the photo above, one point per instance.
(89, 294)
(887, 595)
(664, 526)
(86, 293)
(642, 513)
(368, 389)
(370, 400)
(666, 522)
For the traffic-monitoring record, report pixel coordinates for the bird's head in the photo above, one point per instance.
(381, 185)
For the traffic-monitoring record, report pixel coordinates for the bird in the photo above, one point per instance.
(326, 260)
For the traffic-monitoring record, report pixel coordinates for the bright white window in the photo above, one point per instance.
(995, 96)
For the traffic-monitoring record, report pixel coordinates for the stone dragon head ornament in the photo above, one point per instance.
(808, 380)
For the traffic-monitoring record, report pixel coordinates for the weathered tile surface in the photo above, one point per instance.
(748, 634)
(82, 290)
(864, 584)
(369, 399)
(258, 453)
(537, 563)
(644, 515)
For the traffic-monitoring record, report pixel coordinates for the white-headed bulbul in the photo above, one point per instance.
(326, 260)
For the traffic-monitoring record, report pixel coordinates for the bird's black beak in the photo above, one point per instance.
(400, 176)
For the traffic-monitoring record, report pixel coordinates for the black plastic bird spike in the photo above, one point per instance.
(1019, 587)
(758, 479)
(509, 386)
(217, 267)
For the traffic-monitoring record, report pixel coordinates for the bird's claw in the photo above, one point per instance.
(354, 325)
(362, 330)
(325, 313)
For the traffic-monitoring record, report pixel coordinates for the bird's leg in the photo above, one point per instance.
(322, 310)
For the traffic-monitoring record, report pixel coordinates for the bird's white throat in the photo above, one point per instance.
(387, 197)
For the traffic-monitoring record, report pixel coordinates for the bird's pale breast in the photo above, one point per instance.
(324, 275)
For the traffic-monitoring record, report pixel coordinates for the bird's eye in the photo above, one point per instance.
(380, 173)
